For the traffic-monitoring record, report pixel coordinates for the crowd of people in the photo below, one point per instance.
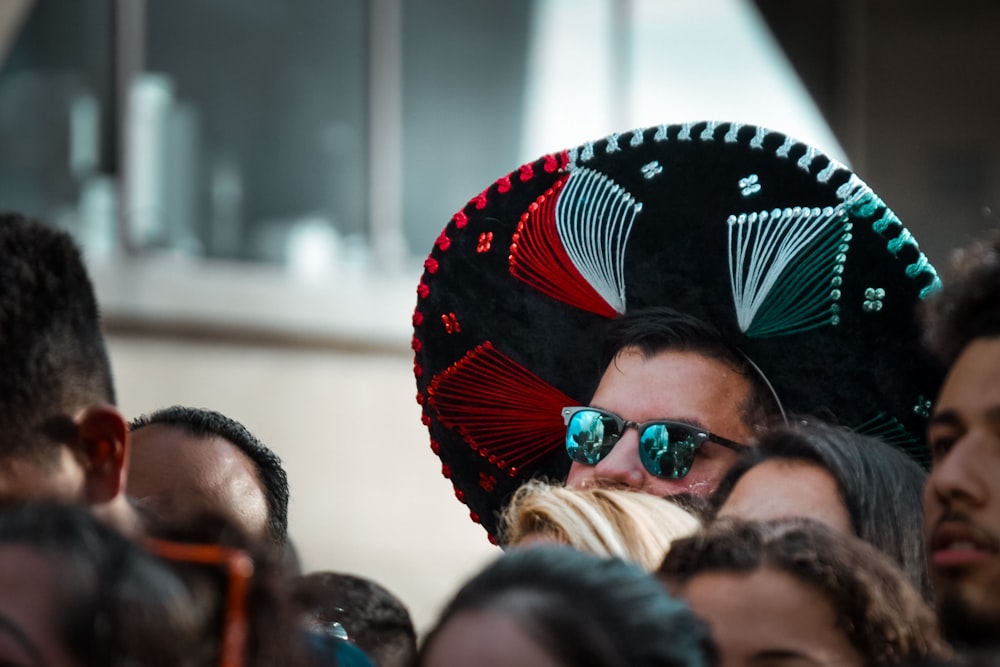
(802, 480)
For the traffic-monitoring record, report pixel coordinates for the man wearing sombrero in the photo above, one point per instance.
(801, 280)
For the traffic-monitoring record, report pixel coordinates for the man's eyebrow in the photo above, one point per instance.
(947, 418)
(781, 654)
(13, 630)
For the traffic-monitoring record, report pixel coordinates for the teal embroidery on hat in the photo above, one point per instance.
(733, 133)
(806, 160)
(827, 172)
(661, 133)
(861, 202)
(785, 147)
(749, 185)
(923, 407)
(612, 145)
(637, 138)
(587, 154)
(651, 169)
(594, 218)
(891, 431)
(574, 154)
(685, 133)
(708, 134)
(785, 267)
(758, 138)
(873, 299)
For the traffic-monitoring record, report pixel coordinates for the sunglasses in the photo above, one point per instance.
(239, 568)
(666, 448)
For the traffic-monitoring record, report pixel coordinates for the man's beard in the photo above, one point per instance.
(964, 626)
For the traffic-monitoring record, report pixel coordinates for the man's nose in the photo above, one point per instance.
(622, 464)
(957, 478)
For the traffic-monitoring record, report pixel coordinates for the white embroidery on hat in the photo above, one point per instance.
(785, 267)
(637, 138)
(731, 134)
(708, 134)
(758, 138)
(594, 218)
(685, 133)
(651, 169)
(807, 159)
(661, 133)
(749, 185)
(785, 147)
(612, 146)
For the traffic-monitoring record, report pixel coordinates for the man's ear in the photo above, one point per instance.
(102, 447)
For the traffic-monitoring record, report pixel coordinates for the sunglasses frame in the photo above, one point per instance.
(700, 435)
(239, 572)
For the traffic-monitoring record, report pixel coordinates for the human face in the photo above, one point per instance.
(767, 617)
(681, 386)
(485, 638)
(29, 611)
(780, 489)
(176, 476)
(962, 496)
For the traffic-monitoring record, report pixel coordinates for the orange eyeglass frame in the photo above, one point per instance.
(239, 571)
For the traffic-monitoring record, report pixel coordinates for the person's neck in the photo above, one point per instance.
(121, 515)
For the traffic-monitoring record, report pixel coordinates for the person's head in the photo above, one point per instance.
(854, 483)
(799, 589)
(190, 461)
(962, 496)
(62, 437)
(74, 592)
(664, 365)
(620, 523)
(553, 606)
(366, 613)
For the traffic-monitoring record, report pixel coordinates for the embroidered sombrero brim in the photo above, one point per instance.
(790, 254)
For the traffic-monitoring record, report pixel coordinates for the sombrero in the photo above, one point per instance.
(795, 259)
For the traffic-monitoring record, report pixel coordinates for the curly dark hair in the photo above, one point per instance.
(878, 610)
(53, 359)
(204, 423)
(968, 306)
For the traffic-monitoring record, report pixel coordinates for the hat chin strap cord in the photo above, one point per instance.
(774, 394)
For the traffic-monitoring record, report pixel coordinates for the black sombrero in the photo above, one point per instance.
(785, 250)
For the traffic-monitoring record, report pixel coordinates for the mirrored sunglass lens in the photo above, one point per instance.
(590, 436)
(667, 451)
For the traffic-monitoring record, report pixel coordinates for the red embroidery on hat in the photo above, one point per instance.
(479, 201)
(435, 446)
(537, 257)
(431, 265)
(487, 482)
(418, 318)
(443, 242)
(474, 517)
(423, 291)
(420, 398)
(485, 242)
(416, 344)
(459, 493)
(526, 172)
(503, 184)
(501, 409)
(493, 540)
(446, 470)
(425, 419)
(551, 164)
(460, 219)
(418, 370)
(450, 323)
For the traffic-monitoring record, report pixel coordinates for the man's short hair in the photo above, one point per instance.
(53, 359)
(655, 330)
(968, 306)
(203, 423)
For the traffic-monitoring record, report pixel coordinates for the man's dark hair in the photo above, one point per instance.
(53, 359)
(881, 488)
(655, 330)
(203, 423)
(968, 306)
(877, 609)
(117, 604)
(373, 618)
(585, 610)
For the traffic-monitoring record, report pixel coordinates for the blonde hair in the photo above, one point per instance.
(630, 525)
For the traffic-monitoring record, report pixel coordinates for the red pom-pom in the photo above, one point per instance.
(416, 344)
(474, 517)
(418, 318)
(431, 265)
(443, 242)
(446, 470)
(460, 494)
(527, 172)
(503, 185)
(460, 219)
(435, 446)
(425, 419)
(480, 201)
(423, 291)
(551, 164)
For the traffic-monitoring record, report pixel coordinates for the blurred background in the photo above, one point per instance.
(256, 183)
